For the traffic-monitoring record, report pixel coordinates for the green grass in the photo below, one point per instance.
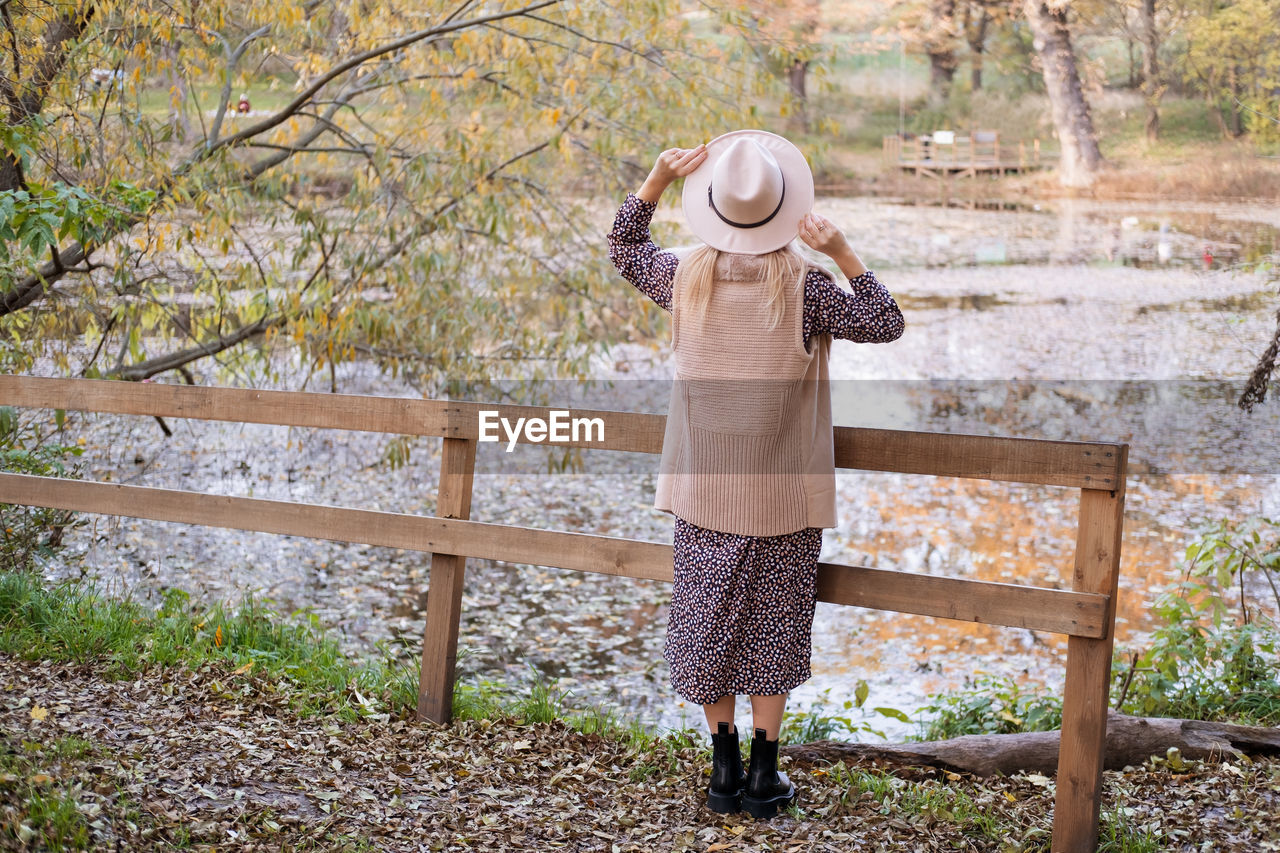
(900, 796)
(292, 657)
(76, 623)
(1117, 834)
(538, 701)
(38, 806)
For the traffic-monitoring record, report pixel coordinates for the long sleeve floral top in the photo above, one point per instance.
(868, 315)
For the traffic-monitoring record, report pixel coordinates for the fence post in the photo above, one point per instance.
(444, 593)
(1085, 698)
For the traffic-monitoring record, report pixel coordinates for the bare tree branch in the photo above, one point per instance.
(233, 59)
(172, 361)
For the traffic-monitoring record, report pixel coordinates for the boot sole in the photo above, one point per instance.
(765, 809)
(724, 803)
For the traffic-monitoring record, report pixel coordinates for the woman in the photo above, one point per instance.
(747, 460)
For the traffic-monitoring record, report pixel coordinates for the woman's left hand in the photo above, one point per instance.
(821, 234)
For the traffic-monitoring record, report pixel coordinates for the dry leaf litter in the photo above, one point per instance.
(215, 760)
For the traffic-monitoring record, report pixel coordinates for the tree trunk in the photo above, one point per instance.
(1130, 741)
(942, 72)
(799, 99)
(26, 96)
(10, 174)
(976, 36)
(1152, 90)
(939, 44)
(178, 123)
(1237, 114)
(1081, 158)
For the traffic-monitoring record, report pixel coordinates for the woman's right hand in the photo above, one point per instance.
(671, 164)
(821, 234)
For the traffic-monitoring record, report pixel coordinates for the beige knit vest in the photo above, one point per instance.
(748, 445)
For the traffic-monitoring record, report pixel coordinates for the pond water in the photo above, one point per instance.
(1076, 320)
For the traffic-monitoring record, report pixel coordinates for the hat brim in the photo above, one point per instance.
(797, 199)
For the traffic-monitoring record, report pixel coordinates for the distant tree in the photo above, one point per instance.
(979, 18)
(419, 182)
(1148, 25)
(1233, 54)
(1153, 87)
(930, 28)
(940, 47)
(789, 35)
(1081, 158)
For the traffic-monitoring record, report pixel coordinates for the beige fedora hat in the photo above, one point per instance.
(750, 193)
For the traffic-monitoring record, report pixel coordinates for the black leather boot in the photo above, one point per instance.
(724, 793)
(768, 790)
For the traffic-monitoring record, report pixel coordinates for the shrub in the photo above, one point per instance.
(1214, 654)
(991, 704)
(28, 533)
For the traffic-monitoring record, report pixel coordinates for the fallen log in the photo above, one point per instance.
(1130, 741)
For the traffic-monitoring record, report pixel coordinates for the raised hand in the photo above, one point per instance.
(671, 164)
(821, 234)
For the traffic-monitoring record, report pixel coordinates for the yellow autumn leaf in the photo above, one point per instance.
(242, 670)
(39, 713)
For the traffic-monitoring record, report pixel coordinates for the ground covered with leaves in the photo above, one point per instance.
(210, 758)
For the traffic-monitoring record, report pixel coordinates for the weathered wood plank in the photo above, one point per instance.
(1055, 611)
(1086, 692)
(444, 596)
(480, 540)
(1058, 463)
(1077, 464)
(634, 431)
(1035, 608)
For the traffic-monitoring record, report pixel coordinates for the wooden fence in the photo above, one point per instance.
(1085, 613)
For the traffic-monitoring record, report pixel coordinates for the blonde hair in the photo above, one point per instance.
(780, 267)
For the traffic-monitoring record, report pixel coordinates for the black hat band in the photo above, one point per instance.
(782, 195)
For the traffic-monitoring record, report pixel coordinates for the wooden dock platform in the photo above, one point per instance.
(945, 154)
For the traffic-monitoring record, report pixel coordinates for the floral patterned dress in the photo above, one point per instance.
(741, 614)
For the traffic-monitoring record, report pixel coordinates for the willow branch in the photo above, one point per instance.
(287, 112)
(33, 287)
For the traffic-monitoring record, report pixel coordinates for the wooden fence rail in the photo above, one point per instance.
(1085, 613)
